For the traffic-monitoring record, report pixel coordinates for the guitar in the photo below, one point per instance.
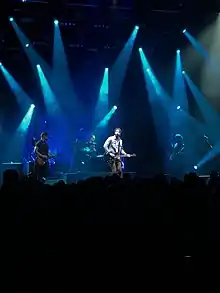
(42, 161)
(110, 158)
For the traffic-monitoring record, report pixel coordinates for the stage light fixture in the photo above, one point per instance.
(137, 27)
(183, 72)
(56, 22)
(195, 167)
(115, 107)
(32, 106)
(184, 30)
(178, 107)
(178, 51)
(140, 49)
(11, 19)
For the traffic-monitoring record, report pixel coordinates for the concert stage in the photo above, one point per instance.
(77, 176)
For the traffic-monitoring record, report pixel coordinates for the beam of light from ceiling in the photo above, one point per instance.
(197, 55)
(160, 92)
(159, 107)
(61, 81)
(210, 84)
(209, 156)
(31, 53)
(57, 121)
(102, 105)
(104, 122)
(196, 44)
(16, 144)
(179, 89)
(25, 123)
(210, 115)
(50, 100)
(169, 119)
(120, 66)
(22, 98)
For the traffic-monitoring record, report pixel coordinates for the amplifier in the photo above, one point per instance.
(12, 166)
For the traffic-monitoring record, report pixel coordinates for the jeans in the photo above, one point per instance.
(41, 172)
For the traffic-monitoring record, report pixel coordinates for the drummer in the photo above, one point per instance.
(91, 145)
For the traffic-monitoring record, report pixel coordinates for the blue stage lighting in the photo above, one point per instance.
(178, 107)
(140, 49)
(32, 106)
(184, 30)
(148, 70)
(38, 65)
(106, 69)
(0, 63)
(115, 107)
(183, 72)
(27, 45)
(56, 22)
(195, 167)
(137, 27)
(178, 51)
(11, 19)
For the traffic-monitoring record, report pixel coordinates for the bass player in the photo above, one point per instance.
(113, 147)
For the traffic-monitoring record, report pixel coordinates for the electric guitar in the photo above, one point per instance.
(111, 158)
(42, 161)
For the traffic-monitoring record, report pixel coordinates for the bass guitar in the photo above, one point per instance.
(42, 161)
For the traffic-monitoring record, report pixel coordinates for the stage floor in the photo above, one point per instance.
(77, 176)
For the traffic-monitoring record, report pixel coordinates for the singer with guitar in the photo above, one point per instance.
(113, 147)
(42, 155)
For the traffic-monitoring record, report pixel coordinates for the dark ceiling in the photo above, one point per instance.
(95, 25)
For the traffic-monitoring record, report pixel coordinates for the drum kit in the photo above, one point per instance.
(90, 153)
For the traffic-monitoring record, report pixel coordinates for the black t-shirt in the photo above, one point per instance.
(43, 147)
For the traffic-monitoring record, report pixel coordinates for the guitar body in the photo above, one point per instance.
(111, 158)
(40, 161)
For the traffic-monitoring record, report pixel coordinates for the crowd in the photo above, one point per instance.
(103, 224)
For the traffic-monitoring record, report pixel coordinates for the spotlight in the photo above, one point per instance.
(195, 167)
(106, 69)
(183, 72)
(140, 49)
(27, 45)
(137, 27)
(11, 19)
(178, 107)
(115, 107)
(148, 70)
(38, 65)
(32, 106)
(178, 51)
(0, 63)
(184, 30)
(56, 22)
